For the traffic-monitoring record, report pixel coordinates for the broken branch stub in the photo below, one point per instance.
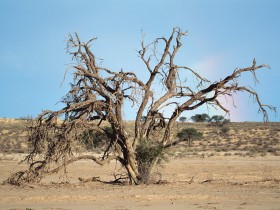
(98, 94)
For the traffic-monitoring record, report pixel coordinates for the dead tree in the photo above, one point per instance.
(98, 93)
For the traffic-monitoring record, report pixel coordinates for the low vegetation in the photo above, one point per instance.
(189, 134)
(242, 139)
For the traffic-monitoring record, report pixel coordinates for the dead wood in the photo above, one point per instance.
(99, 94)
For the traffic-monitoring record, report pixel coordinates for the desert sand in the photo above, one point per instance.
(218, 182)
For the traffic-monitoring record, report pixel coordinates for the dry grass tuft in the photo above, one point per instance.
(242, 139)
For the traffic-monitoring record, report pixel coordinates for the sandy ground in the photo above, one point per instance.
(218, 183)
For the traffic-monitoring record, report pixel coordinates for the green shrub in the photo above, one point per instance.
(200, 118)
(189, 134)
(217, 118)
(147, 155)
(182, 119)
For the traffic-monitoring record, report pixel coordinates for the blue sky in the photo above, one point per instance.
(223, 35)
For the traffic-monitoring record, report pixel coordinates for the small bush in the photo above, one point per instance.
(148, 154)
(224, 130)
(200, 118)
(182, 119)
(189, 134)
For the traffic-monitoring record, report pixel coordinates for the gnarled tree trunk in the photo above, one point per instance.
(98, 94)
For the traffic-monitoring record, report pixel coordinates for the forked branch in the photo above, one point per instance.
(99, 93)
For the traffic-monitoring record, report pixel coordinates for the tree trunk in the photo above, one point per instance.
(130, 164)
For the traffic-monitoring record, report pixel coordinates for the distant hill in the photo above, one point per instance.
(235, 138)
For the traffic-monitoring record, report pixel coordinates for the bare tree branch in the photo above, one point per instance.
(99, 93)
